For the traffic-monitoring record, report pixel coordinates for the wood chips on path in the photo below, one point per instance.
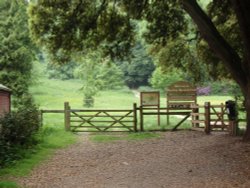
(176, 159)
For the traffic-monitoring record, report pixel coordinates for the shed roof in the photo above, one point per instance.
(4, 88)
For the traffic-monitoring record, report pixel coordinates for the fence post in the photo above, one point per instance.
(41, 118)
(195, 116)
(207, 118)
(141, 118)
(66, 116)
(233, 126)
(135, 116)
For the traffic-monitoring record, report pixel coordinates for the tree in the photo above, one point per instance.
(238, 66)
(63, 72)
(97, 74)
(15, 54)
(138, 70)
(161, 80)
(59, 26)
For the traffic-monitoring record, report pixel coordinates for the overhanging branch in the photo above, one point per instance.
(216, 42)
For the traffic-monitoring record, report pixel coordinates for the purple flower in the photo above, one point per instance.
(203, 90)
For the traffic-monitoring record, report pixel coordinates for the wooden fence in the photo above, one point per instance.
(212, 117)
(205, 117)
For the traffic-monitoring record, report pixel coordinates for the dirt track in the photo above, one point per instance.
(177, 159)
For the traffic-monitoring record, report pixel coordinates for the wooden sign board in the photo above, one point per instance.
(150, 98)
(181, 95)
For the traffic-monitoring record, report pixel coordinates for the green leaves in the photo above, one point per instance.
(15, 47)
(165, 20)
(97, 74)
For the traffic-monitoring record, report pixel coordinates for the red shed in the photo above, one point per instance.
(4, 99)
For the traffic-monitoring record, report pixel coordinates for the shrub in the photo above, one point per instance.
(203, 90)
(161, 80)
(18, 131)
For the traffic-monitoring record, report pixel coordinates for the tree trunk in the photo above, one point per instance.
(239, 68)
(246, 136)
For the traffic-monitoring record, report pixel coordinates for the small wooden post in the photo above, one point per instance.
(158, 116)
(195, 111)
(141, 118)
(41, 118)
(207, 118)
(222, 116)
(135, 116)
(67, 116)
(167, 113)
(233, 126)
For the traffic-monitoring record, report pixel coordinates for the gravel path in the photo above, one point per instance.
(177, 159)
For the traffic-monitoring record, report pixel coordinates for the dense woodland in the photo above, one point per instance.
(108, 44)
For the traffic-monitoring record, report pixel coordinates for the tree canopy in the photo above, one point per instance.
(67, 27)
(15, 47)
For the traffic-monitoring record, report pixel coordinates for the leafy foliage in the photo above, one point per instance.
(15, 47)
(65, 27)
(18, 130)
(161, 80)
(96, 74)
(63, 72)
(165, 20)
(139, 69)
(224, 18)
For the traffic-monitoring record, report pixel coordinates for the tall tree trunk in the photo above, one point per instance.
(247, 106)
(239, 68)
(241, 8)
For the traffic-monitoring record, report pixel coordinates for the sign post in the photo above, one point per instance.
(151, 99)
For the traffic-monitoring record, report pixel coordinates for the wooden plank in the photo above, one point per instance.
(166, 113)
(66, 116)
(135, 116)
(102, 121)
(197, 114)
(52, 111)
(198, 121)
(180, 122)
(88, 126)
(182, 91)
(100, 110)
(164, 109)
(181, 98)
(100, 116)
(207, 118)
(218, 106)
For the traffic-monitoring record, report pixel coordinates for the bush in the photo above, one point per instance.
(161, 80)
(223, 87)
(203, 90)
(18, 131)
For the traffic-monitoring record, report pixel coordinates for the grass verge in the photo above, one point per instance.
(51, 139)
(125, 136)
(8, 184)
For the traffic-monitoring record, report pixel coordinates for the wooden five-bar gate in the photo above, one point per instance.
(102, 120)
